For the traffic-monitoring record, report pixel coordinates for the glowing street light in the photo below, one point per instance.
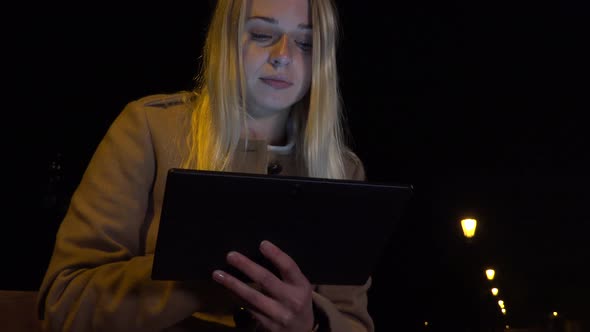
(468, 226)
(490, 273)
(494, 291)
(503, 311)
(501, 304)
(555, 314)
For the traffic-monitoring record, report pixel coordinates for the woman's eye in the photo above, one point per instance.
(304, 46)
(260, 36)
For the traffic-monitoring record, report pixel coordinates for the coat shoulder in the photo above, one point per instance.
(166, 100)
(353, 166)
(164, 110)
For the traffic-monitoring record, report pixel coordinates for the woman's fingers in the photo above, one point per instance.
(285, 264)
(253, 297)
(270, 283)
(280, 304)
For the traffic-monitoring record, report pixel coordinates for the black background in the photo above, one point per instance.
(481, 106)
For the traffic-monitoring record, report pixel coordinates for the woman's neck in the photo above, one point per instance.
(272, 128)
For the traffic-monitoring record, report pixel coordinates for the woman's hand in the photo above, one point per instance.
(280, 305)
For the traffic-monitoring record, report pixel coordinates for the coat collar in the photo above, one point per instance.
(257, 155)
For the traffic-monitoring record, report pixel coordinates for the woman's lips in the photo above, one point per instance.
(276, 82)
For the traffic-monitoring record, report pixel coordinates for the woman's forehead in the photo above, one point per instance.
(282, 12)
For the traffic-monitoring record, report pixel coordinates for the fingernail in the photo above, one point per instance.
(218, 275)
(231, 255)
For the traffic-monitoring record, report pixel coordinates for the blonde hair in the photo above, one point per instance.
(218, 114)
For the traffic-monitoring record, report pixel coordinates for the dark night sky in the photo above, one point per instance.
(480, 106)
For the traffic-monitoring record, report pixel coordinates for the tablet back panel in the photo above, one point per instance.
(335, 230)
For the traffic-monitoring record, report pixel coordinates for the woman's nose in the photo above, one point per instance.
(281, 54)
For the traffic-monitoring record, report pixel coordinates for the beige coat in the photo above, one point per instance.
(98, 278)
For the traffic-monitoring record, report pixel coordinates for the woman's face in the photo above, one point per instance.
(276, 45)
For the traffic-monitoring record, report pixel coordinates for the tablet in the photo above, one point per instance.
(335, 230)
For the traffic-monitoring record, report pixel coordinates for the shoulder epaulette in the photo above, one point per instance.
(170, 100)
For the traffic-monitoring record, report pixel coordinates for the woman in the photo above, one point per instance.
(267, 102)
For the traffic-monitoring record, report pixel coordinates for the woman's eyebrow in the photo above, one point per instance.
(264, 18)
(274, 21)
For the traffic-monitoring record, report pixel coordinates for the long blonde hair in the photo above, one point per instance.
(218, 114)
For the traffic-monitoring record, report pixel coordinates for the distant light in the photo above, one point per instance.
(494, 291)
(508, 327)
(504, 311)
(468, 226)
(555, 314)
(490, 273)
(501, 304)
(425, 323)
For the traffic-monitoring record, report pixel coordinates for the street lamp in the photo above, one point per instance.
(468, 226)
(494, 291)
(490, 273)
